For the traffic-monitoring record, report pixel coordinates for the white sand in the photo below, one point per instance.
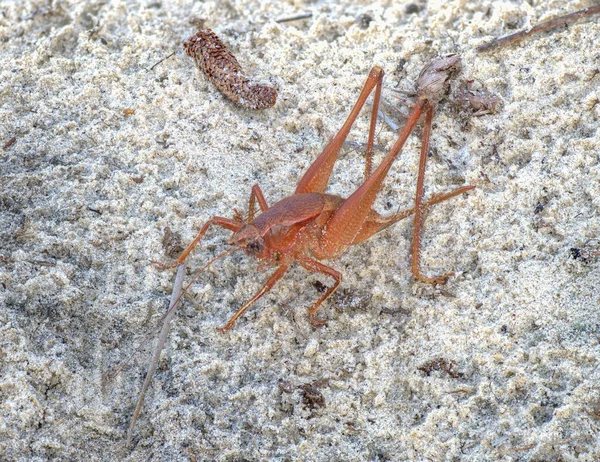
(86, 191)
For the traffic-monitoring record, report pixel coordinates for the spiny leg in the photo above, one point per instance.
(276, 276)
(227, 223)
(317, 176)
(376, 223)
(316, 267)
(347, 221)
(419, 207)
(372, 126)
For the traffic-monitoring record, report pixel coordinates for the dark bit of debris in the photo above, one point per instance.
(321, 288)
(285, 386)
(412, 8)
(561, 21)
(576, 253)
(585, 253)
(446, 293)
(42, 263)
(595, 412)
(480, 102)
(9, 143)
(312, 398)
(159, 62)
(364, 20)
(171, 243)
(538, 208)
(443, 365)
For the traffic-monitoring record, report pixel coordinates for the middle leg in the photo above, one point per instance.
(316, 267)
(276, 276)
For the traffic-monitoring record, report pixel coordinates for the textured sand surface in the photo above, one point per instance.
(110, 150)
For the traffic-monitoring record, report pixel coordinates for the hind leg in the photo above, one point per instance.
(376, 223)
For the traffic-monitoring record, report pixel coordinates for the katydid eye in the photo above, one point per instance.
(255, 246)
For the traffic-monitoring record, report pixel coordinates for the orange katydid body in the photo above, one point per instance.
(311, 225)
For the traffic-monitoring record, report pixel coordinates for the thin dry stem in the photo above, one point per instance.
(294, 18)
(543, 27)
(164, 332)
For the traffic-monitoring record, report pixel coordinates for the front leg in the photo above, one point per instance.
(316, 267)
(276, 276)
(227, 223)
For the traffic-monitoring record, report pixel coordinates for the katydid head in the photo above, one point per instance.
(248, 239)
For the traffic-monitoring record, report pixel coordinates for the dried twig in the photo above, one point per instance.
(9, 143)
(175, 297)
(160, 61)
(294, 18)
(545, 26)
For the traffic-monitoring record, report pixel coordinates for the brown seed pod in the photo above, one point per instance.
(223, 70)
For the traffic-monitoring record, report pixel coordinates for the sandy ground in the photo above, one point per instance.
(502, 363)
